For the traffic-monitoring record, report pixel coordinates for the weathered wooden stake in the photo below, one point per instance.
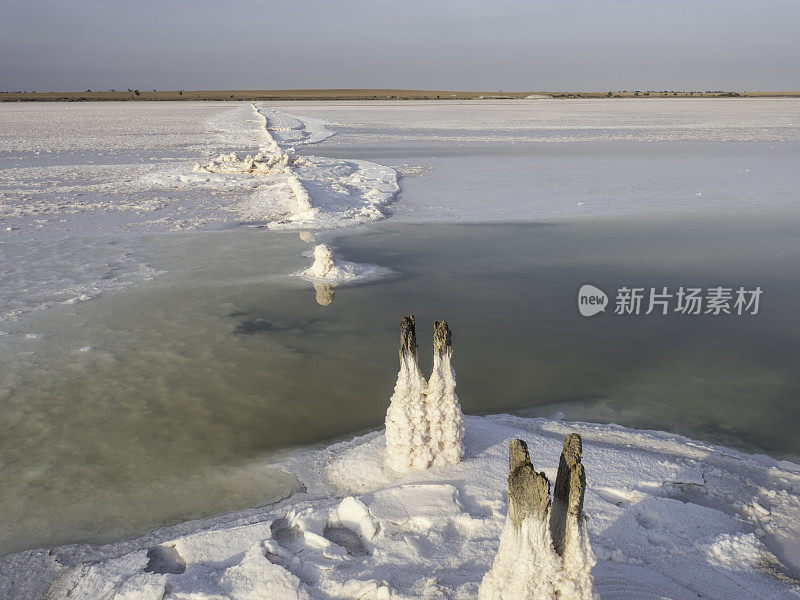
(528, 491)
(408, 337)
(569, 489)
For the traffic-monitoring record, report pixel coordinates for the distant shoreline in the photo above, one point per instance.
(358, 94)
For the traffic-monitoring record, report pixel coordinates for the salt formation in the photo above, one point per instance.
(328, 272)
(444, 411)
(530, 564)
(407, 429)
(324, 266)
(424, 423)
(328, 269)
(526, 566)
(270, 160)
(260, 164)
(567, 522)
(271, 185)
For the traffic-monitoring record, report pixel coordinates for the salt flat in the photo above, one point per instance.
(146, 278)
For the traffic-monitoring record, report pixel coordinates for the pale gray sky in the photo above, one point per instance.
(434, 44)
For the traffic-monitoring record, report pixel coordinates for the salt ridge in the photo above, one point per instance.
(284, 190)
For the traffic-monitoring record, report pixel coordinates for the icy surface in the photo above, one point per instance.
(73, 168)
(669, 518)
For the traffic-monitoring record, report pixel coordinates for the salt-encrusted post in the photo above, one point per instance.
(528, 491)
(407, 428)
(442, 339)
(324, 265)
(526, 567)
(443, 409)
(424, 423)
(408, 338)
(568, 523)
(569, 489)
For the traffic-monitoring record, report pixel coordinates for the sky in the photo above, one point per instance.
(528, 45)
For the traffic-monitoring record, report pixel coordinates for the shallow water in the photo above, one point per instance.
(226, 358)
(510, 294)
(162, 401)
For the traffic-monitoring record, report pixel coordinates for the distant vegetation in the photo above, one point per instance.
(365, 94)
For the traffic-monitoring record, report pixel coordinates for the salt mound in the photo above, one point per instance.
(260, 164)
(327, 269)
(324, 266)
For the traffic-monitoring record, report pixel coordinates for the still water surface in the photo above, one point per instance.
(161, 402)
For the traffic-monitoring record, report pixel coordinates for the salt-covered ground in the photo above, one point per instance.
(77, 184)
(139, 162)
(550, 160)
(669, 518)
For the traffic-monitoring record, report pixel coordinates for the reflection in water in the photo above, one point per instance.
(325, 293)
